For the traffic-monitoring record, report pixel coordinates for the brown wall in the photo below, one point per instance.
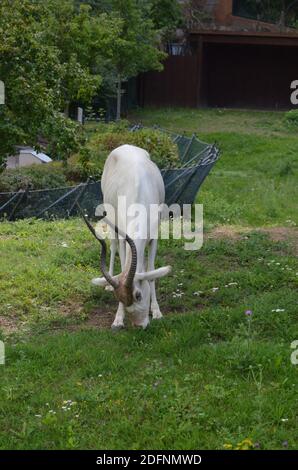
(254, 76)
(242, 75)
(175, 86)
(223, 11)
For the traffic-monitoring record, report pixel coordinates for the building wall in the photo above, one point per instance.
(235, 62)
(225, 74)
(24, 159)
(27, 159)
(249, 76)
(176, 85)
(12, 161)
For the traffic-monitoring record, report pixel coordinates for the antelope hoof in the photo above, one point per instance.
(156, 314)
(117, 327)
(109, 288)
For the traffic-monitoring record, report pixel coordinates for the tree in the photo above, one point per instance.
(166, 16)
(195, 14)
(81, 38)
(47, 52)
(29, 69)
(135, 49)
(282, 12)
(144, 26)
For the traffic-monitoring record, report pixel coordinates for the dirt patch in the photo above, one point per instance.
(70, 309)
(280, 234)
(97, 317)
(227, 231)
(103, 317)
(100, 318)
(9, 325)
(277, 234)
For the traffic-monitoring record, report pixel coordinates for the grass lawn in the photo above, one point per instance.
(207, 375)
(255, 182)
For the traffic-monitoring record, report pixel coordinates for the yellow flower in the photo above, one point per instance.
(246, 444)
(228, 446)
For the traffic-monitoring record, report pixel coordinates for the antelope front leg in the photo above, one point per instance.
(112, 261)
(154, 307)
(118, 323)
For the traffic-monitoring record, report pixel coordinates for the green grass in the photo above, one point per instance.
(255, 181)
(202, 377)
(196, 379)
(266, 123)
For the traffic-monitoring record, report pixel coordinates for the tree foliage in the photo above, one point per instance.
(135, 47)
(56, 52)
(283, 12)
(166, 16)
(46, 51)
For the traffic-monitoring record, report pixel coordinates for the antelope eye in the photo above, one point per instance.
(138, 296)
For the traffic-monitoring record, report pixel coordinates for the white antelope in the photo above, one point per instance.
(130, 173)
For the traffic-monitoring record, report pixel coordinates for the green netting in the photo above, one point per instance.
(182, 185)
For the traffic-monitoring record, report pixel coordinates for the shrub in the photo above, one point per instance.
(106, 137)
(49, 175)
(91, 158)
(291, 118)
(159, 145)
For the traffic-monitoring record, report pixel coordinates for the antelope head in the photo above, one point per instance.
(132, 289)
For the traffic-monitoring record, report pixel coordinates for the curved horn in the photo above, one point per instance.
(134, 257)
(133, 266)
(103, 255)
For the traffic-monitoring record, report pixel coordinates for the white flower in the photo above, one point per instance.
(38, 416)
(284, 420)
(214, 289)
(278, 310)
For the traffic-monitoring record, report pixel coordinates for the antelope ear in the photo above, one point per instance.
(99, 281)
(151, 275)
(102, 282)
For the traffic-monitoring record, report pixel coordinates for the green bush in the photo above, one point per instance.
(291, 118)
(49, 175)
(91, 159)
(106, 137)
(159, 145)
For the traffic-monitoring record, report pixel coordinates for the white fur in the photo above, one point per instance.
(129, 172)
